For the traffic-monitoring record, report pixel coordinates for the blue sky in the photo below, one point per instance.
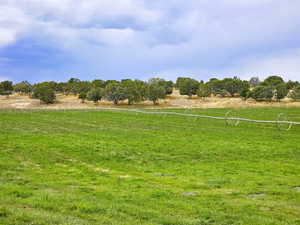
(58, 39)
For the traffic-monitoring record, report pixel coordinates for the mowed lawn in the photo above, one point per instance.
(123, 168)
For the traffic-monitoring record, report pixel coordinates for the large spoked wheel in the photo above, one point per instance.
(283, 122)
(232, 118)
(187, 110)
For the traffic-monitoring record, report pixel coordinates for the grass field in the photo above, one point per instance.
(123, 168)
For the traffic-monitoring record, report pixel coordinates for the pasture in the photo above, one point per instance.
(124, 168)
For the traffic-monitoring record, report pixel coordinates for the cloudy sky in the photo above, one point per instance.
(58, 39)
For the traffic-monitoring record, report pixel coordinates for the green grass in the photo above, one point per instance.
(122, 168)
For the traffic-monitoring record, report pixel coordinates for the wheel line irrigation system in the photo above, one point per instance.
(228, 117)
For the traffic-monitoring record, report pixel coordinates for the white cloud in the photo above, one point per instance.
(13, 24)
(162, 36)
(228, 24)
(285, 63)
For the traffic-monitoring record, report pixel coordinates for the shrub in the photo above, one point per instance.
(281, 91)
(234, 85)
(203, 91)
(291, 85)
(44, 93)
(95, 95)
(167, 85)
(133, 90)
(115, 92)
(82, 96)
(295, 95)
(273, 81)
(156, 92)
(216, 86)
(6, 88)
(23, 87)
(188, 86)
(263, 93)
(245, 93)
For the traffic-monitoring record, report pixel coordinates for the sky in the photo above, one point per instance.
(44, 40)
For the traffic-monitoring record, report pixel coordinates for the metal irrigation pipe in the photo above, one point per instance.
(183, 114)
(280, 117)
(212, 117)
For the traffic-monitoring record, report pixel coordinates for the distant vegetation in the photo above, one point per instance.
(134, 91)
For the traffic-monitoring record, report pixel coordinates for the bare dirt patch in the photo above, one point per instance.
(190, 194)
(257, 195)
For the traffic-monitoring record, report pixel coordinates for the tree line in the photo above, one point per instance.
(134, 91)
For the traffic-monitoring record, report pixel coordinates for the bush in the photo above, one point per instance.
(281, 91)
(115, 92)
(216, 86)
(95, 95)
(167, 85)
(273, 81)
(245, 93)
(221, 92)
(291, 85)
(234, 85)
(82, 96)
(23, 87)
(203, 91)
(188, 86)
(156, 92)
(263, 93)
(133, 90)
(6, 88)
(44, 93)
(295, 95)
(98, 83)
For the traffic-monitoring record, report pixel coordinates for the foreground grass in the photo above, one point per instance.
(103, 167)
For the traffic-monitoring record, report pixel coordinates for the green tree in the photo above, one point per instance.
(62, 87)
(98, 83)
(167, 85)
(83, 86)
(295, 95)
(109, 82)
(178, 81)
(188, 86)
(82, 96)
(263, 93)
(44, 92)
(281, 91)
(143, 89)
(203, 90)
(23, 87)
(291, 85)
(115, 92)
(156, 92)
(72, 86)
(245, 89)
(245, 93)
(95, 94)
(234, 85)
(216, 86)
(273, 81)
(6, 88)
(133, 91)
